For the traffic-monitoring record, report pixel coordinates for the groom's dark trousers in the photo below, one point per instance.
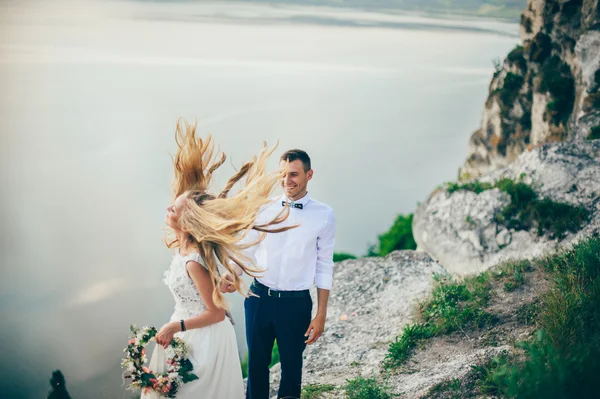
(276, 315)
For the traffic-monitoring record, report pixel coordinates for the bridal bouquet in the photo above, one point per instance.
(142, 378)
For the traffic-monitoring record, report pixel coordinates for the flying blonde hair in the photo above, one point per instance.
(217, 225)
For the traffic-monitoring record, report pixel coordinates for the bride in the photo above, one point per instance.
(207, 232)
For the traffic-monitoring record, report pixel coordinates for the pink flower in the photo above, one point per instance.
(145, 369)
(131, 341)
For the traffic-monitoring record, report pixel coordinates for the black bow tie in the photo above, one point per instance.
(292, 204)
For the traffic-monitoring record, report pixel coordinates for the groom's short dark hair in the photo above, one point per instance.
(292, 155)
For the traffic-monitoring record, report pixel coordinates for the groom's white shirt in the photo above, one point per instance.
(300, 257)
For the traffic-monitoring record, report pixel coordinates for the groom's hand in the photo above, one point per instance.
(226, 285)
(315, 330)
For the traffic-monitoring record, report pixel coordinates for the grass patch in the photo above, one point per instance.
(513, 274)
(453, 306)
(340, 256)
(563, 360)
(401, 349)
(528, 313)
(477, 187)
(367, 388)
(480, 381)
(594, 133)
(448, 389)
(457, 306)
(526, 211)
(316, 391)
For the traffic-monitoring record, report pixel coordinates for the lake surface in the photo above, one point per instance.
(91, 91)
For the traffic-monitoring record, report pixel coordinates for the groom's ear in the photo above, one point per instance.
(309, 175)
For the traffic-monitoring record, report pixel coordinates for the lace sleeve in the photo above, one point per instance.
(196, 258)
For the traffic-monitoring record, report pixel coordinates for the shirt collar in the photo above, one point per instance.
(304, 200)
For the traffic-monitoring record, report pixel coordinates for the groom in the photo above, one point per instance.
(293, 261)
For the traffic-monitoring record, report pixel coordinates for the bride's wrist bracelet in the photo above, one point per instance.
(182, 325)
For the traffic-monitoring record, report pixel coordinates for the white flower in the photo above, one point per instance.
(173, 375)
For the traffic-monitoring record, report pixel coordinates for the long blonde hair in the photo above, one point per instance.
(217, 225)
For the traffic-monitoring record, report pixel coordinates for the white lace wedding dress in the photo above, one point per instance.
(213, 350)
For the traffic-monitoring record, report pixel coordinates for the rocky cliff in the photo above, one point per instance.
(545, 90)
(373, 298)
(462, 229)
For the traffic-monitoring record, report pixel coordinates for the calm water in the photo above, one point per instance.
(90, 95)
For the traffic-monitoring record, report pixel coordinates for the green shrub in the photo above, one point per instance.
(526, 211)
(540, 48)
(340, 256)
(399, 236)
(58, 384)
(274, 360)
(274, 355)
(556, 79)
(596, 85)
(594, 133)
(489, 377)
(516, 57)
(509, 92)
(244, 364)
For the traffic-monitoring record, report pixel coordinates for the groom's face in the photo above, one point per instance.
(296, 179)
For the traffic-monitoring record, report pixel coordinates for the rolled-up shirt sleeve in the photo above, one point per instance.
(325, 244)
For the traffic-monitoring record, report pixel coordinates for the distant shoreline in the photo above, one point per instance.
(288, 13)
(484, 12)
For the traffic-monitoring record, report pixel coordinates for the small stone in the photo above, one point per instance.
(503, 238)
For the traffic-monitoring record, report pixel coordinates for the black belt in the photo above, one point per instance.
(258, 288)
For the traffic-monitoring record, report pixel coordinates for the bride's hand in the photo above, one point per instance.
(165, 334)
(226, 285)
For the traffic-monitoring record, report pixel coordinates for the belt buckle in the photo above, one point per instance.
(276, 296)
